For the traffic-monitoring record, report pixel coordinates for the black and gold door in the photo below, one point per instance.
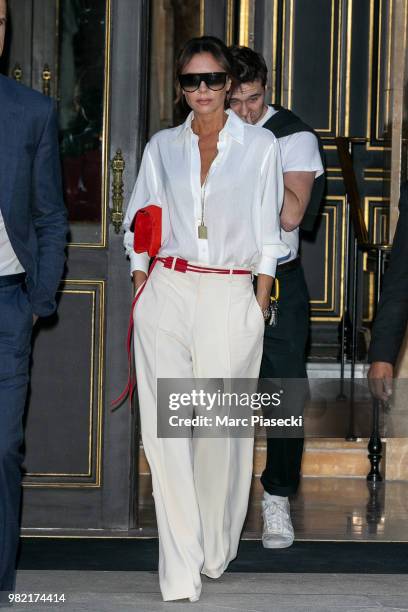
(90, 55)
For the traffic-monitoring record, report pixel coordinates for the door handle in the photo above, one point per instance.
(116, 213)
(17, 73)
(46, 80)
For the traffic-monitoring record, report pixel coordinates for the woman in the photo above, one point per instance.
(219, 184)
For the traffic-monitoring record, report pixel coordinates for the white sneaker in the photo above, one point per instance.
(277, 525)
(194, 598)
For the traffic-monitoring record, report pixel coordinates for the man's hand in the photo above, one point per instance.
(380, 377)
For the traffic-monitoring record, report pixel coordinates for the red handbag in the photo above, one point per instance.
(147, 229)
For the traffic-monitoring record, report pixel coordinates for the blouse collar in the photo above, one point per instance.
(234, 126)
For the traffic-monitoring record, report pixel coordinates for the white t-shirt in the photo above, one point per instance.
(242, 198)
(299, 152)
(9, 263)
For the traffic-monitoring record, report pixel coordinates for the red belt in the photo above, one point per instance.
(173, 263)
(182, 265)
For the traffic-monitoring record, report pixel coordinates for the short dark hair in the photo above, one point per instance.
(203, 44)
(248, 65)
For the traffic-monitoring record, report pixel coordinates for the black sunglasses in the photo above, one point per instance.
(214, 80)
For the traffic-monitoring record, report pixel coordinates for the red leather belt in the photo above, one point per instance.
(182, 265)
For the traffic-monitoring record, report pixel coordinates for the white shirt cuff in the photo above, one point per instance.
(139, 261)
(267, 265)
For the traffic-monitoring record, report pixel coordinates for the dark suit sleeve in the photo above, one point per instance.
(49, 217)
(392, 315)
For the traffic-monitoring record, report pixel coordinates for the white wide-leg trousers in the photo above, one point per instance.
(200, 325)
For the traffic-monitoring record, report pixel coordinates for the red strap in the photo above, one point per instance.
(182, 265)
(131, 382)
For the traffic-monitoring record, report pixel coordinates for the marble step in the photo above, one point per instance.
(322, 457)
(331, 509)
(336, 458)
(332, 458)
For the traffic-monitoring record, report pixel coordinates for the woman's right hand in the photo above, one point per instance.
(139, 278)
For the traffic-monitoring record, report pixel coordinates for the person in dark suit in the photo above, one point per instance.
(391, 319)
(33, 229)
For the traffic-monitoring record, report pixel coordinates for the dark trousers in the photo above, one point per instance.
(15, 341)
(284, 357)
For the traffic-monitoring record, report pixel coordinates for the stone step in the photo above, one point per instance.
(336, 458)
(333, 458)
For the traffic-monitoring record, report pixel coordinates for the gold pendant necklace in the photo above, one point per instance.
(202, 228)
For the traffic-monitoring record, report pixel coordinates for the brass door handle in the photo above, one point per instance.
(116, 213)
(46, 80)
(17, 73)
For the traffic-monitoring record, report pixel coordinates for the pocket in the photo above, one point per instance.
(26, 299)
(138, 297)
(27, 312)
(258, 310)
(15, 331)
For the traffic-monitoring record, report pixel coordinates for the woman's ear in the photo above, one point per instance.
(227, 98)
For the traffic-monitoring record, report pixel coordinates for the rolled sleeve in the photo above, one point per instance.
(273, 247)
(267, 265)
(139, 261)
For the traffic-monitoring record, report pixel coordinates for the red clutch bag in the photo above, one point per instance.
(147, 229)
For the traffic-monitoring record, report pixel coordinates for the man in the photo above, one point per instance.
(284, 343)
(391, 319)
(32, 240)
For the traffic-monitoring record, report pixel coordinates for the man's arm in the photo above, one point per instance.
(49, 217)
(392, 313)
(301, 163)
(298, 189)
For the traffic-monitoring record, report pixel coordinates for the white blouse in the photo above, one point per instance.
(243, 197)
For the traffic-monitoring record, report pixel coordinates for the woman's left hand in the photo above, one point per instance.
(263, 291)
(263, 302)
